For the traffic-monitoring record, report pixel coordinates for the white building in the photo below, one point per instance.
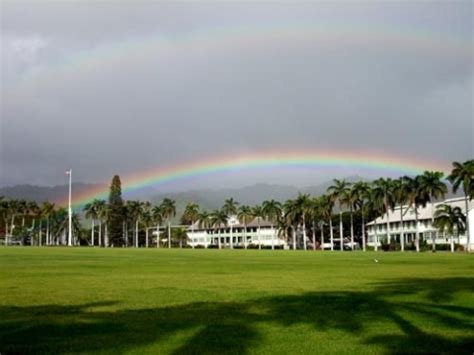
(254, 234)
(377, 230)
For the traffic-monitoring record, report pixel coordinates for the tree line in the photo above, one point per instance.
(344, 206)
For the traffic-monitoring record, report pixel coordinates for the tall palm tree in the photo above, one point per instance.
(91, 213)
(374, 206)
(230, 209)
(13, 211)
(272, 211)
(383, 191)
(326, 205)
(204, 221)
(291, 217)
(462, 174)
(400, 196)
(4, 214)
(450, 219)
(146, 218)
(303, 206)
(416, 197)
(168, 208)
(219, 219)
(157, 214)
(22, 210)
(361, 192)
(351, 199)
(47, 209)
(338, 191)
(314, 215)
(134, 209)
(245, 216)
(257, 212)
(434, 188)
(100, 207)
(190, 215)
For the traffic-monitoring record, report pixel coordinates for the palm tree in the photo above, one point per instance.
(291, 218)
(22, 210)
(400, 196)
(303, 206)
(374, 206)
(230, 209)
(204, 221)
(190, 215)
(272, 211)
(218, 219)
(257, 212)
(326, 204)
(450, 219)
(4, 213)
(313, 216)
(245, 216)
(416, 198)
(351, 199)
(168, 208)
(361, 191)
(134, 209)
(146, 218)
(434, 188)
(462, 174)
(157, 214)
(90, 212)
(47, 209)
(100, 207)
(383, 191)
(338, 191)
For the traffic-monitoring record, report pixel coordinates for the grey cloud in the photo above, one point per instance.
(130, 108)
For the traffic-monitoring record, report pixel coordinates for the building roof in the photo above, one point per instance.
(423, 212)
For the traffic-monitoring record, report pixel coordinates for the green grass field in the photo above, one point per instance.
(234, 301)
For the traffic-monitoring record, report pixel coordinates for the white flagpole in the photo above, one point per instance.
(69, 239)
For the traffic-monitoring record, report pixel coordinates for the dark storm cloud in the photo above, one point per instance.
(122, 86)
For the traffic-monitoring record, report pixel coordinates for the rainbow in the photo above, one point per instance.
(254, 39)
(375, 162)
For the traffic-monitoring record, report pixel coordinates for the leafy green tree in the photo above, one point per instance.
(338, 191)
(115, 216)
(272, 210)
(303, 208)
(451, 220)
(462, 174)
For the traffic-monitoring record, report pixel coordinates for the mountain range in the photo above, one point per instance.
(207, 198)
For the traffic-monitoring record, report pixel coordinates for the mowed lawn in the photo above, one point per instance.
(234, 301)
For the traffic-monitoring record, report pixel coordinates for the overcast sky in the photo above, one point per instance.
(117, 87)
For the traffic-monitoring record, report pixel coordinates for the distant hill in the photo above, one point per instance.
(207, 198)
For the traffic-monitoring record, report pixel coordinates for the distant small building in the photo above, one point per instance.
(254, 234)
(377, 229)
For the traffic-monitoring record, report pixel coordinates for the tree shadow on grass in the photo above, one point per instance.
(234, 327)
